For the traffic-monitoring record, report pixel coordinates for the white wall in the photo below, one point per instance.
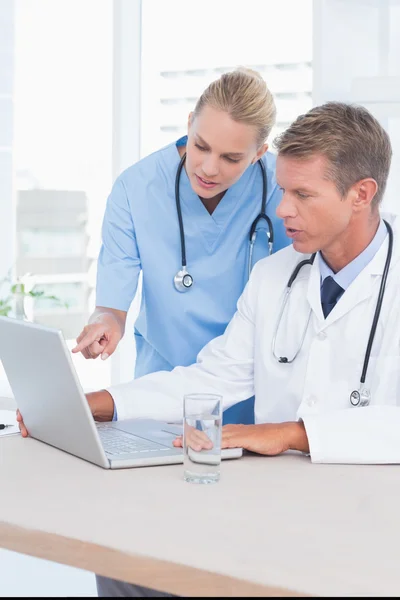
(126, 140)
(7, 240)
(356, 58)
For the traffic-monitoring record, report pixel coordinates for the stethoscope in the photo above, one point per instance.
(183, 280)
(362, 396)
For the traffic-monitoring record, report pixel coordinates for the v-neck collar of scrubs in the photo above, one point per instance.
(211, 226)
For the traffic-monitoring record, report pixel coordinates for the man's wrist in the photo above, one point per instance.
(101, 405)
(297, 436)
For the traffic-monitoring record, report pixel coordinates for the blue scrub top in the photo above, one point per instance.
(141, 232)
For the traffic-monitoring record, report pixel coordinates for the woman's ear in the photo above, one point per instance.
(190, 119)
(260, 152)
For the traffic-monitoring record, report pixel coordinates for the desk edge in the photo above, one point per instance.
(150, 572)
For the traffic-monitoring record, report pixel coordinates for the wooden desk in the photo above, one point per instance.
(269, 525)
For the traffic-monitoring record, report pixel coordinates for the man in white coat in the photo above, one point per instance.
(304, 363)
(332, 166)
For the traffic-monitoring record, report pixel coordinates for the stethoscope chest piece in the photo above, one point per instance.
(360, 398)
(183, 281)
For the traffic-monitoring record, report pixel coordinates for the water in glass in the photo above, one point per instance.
(202, 466)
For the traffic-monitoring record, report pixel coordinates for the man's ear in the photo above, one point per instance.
(364, 192)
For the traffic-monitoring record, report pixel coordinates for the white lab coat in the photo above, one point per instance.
(316, 387)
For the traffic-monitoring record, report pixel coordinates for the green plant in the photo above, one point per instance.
(20, 290)
(5, 306)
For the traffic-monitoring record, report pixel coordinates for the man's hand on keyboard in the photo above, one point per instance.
(195, 439)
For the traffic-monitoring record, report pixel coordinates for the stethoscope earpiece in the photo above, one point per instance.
(183, 281)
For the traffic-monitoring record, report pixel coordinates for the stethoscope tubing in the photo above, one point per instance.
(183, 275)
(379, 302)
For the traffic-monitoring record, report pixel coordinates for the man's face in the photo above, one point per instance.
(315, 215)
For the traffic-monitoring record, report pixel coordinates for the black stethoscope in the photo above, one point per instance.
(362, 396)
(183, 281)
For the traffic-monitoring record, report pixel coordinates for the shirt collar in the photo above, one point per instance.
(347, 275)
(181, 142)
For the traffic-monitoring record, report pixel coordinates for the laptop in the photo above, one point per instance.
(48, 394)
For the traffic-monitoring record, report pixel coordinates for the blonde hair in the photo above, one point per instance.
(353, 141)
(244, 95)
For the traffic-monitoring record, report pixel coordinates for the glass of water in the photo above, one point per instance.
(202, 427)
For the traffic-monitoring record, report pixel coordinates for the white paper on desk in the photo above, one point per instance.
(8, 417)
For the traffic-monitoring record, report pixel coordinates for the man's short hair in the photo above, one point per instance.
(353, 141)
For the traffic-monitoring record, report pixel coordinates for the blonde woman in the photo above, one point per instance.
(184, 216)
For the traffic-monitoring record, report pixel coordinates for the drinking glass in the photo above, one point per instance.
(202, 427)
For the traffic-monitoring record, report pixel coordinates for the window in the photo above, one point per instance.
(63, 57)
(180, 60)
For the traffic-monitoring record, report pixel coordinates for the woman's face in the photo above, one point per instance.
(218, 151)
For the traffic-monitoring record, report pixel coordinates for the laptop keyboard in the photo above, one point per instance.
(117, 442)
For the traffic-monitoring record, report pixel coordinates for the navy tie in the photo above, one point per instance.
(330, 294)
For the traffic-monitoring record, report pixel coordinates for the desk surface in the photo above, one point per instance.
(269, 523)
